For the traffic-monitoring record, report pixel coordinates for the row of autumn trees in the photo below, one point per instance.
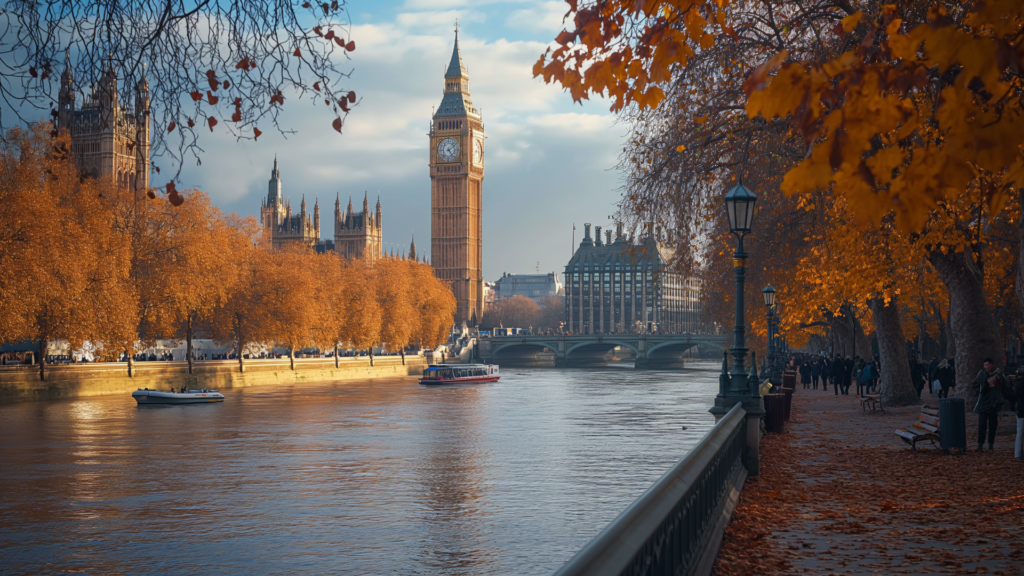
(87, 262)
(884, 141)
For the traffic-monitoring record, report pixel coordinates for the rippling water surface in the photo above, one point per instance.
(374, 477)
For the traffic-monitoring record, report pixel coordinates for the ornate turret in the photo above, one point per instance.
(66, 99)
(377, 215)
(412, 248)
(316, 217)
(274, 193)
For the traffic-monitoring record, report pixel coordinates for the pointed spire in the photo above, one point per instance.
(455, 68)
(67, 77)
(412, 248)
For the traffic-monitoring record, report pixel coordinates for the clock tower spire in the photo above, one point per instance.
(456, 185)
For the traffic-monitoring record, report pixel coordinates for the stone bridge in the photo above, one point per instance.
(648, 350)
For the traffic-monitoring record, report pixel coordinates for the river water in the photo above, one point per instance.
(375, 477)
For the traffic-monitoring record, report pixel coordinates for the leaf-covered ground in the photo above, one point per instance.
(839, 493)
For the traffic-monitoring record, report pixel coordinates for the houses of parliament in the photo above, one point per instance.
(104, 134)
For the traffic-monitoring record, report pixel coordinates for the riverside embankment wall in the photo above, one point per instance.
(20, 383)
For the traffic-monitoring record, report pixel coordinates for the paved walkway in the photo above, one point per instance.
(840, 493)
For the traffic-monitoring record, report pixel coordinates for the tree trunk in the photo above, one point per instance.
(371, 356)
(291, 357)
(241, 359)
(336, 365)
(402, 352)
(131, 363)
(188, 342)
(972, 327)
(42, 359)
(862, 346)
(896, 387)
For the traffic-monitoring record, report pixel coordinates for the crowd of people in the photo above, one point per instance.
(840, 372)
(938, 376)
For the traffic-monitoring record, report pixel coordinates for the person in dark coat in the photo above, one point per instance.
(847, 375)
(944, 374)
(917, 376)
(825, 373)
(805, 375)
(932, 367)
(989, 383)
(815, 374)
(837, 371)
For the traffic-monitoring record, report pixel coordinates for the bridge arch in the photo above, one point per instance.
(524, 344)
(601, 343)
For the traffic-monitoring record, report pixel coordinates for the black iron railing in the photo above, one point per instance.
(669, 528)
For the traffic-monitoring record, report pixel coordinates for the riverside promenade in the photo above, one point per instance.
(839, 493)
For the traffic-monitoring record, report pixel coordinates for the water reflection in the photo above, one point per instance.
(358, 478)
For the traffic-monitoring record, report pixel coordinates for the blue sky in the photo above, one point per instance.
(550, 163)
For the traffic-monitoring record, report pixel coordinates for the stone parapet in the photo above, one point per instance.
(21, 383)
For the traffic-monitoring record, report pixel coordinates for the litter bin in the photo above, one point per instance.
(952, 426)
(774, 412)
(789, 380)
(788, 392)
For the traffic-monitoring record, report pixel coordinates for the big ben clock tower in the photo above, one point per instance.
(456, 181)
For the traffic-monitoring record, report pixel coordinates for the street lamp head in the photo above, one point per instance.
(769, 295)
(739, 204)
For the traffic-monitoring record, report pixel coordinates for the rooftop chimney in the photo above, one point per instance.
(608, 237)
(586, 231)
(597, 235)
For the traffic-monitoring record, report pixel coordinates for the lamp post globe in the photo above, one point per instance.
(737, 385)
(739, 205)
(769, 296)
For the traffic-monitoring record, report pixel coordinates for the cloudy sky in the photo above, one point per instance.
(550, 163)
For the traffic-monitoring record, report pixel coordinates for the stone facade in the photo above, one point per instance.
(280, 226)
(621, 286)
(456, 185)
(358, 234)
(109, 140)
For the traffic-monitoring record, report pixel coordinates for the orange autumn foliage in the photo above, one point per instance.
(95, 264)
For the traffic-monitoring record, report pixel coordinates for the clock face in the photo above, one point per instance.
(448, 149)
(478, 151)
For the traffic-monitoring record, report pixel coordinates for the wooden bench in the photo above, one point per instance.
(871, 404)
(927, 429)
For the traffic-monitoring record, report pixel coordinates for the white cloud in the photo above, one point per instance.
(549, 162)
(544, 17)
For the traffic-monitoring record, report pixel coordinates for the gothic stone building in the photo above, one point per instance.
(621, 286)
(456, 181)
(356, 234)
(109, 140)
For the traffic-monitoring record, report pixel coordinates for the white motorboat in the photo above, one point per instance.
(147, 396)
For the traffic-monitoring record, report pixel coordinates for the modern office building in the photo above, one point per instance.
(615, 286)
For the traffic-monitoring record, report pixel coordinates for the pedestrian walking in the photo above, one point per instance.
(837, 371)
(917, 376)
(815, 374)
(847, 375)
(989, 383)
(825, 375)
(805, 375)
(944, 374)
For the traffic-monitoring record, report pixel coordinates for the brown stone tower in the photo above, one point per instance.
(456, 182)
(108, 140)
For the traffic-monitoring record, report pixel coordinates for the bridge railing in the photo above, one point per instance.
(675, 526)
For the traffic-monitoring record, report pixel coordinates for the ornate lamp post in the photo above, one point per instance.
(737, 385)
(768, 294)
